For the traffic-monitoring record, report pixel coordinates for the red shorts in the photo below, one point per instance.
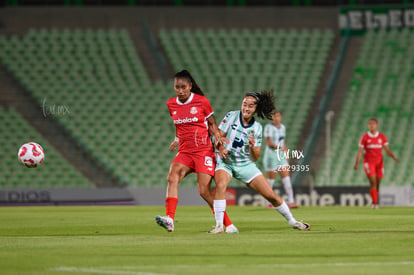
(203, 162)
(374, 169)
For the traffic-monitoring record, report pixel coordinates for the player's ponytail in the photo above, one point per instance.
(265, 103)
(186, 75)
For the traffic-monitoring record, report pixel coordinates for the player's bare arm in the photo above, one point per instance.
(358, 158)
(389, 153)
(173, 145)
(271, 144)
(214, 129)
(254, 150)
(223, 152)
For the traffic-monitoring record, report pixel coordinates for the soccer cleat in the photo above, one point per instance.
(218, 229)
(293, 205)
(375, 206)
(269, 206)
(231, 229)
(165, 222)
(301, 226)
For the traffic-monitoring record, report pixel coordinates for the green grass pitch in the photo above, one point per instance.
(126, 240)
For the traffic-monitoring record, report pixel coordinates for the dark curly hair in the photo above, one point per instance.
(265, 103)
(187, 76)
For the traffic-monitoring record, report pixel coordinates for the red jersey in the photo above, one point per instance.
(373, 145)
(190, 119)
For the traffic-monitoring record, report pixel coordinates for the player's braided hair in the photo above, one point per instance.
(186, 75)
(265, 103)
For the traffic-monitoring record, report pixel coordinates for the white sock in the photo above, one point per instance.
(284, 210)
(288, 189)
(219, 208)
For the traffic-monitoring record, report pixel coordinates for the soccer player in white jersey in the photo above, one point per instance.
(194, 121)
(274, 159)
(242, 139)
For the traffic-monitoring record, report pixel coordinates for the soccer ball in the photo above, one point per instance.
(31, 154)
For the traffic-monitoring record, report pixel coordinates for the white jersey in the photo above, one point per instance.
(278, 135)
(238, 135)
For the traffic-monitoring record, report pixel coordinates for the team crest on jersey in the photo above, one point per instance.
(379, 140)
(368, 140)
(208, 161)
(175, 112)
(193, 110)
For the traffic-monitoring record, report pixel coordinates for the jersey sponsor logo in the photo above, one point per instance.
(373, 146)
(186, 120)
(193, 110)
(208, 161)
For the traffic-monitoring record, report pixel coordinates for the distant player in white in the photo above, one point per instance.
(242, 136)
(274, 159)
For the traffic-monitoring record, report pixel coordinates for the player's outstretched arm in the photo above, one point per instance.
(358, 158)
(389, 153)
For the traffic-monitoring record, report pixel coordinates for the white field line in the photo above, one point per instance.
(128, 270)
(100, 271)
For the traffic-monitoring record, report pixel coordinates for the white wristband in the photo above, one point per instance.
(176, 139)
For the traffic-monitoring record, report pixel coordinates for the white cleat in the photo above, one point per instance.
(165, 222)
(301, 226)
(231, 229)
(217, 230)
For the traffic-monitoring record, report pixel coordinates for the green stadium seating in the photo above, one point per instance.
(381, 86)
(55, 171)
(229, 63)
(121, 116)
(114, 108)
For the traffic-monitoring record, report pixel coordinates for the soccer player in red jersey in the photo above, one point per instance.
(193, 118)
(373, 142)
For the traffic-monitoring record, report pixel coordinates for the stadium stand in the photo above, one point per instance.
(115, 108)
(382, 86)
(229, 63)
(56, 172)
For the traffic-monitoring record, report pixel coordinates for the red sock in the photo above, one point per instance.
(170, 206)
(226, 219)
(374, 195)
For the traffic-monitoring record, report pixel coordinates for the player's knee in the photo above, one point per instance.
(172, 179)
(221, 187)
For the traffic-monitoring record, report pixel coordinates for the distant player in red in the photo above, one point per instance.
(193, 118)
(373, 142)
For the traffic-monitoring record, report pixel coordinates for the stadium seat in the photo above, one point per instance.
(51, 174)
(118, 113)
(379, 88)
